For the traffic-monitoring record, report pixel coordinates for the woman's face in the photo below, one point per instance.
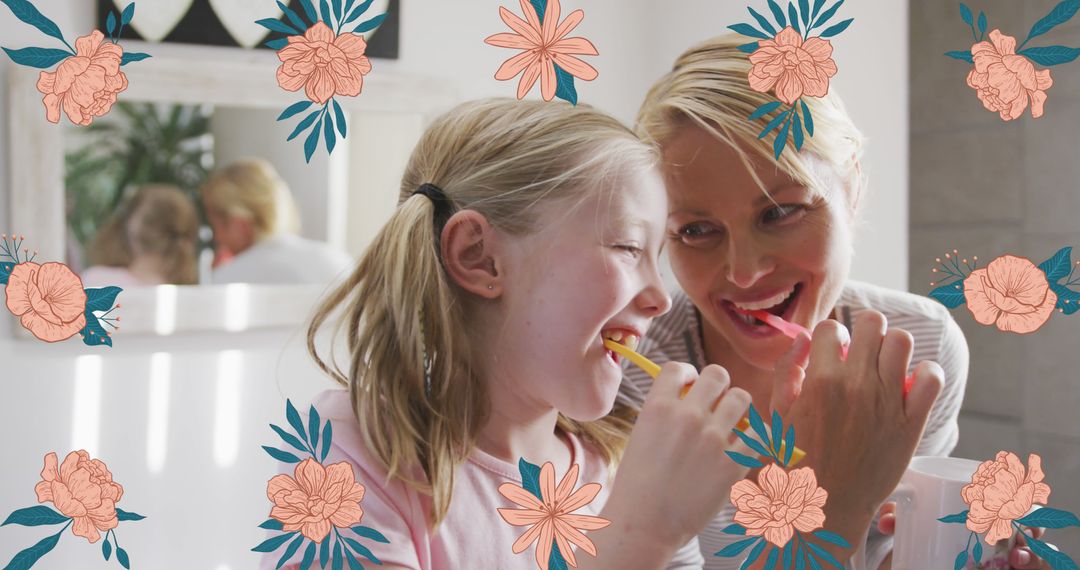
(232, 233)
(730, 246)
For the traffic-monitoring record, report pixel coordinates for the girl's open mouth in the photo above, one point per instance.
(627, 339)
(782, 305)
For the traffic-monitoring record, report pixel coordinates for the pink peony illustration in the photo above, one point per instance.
(323, 64)
(49, 299)
(83, 489)
(84, 85)
(1001, 492)
(1011, 293)
(784, 502)
(792, 67)
(316, 499)
(1007, 82)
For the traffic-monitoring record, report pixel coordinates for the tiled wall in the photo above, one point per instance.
(987, 187)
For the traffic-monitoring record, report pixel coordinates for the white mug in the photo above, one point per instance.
(930, 490)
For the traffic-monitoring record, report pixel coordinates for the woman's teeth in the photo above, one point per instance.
(767, 303)
(626, 339)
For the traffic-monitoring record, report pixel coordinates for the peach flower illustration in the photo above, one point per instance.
(785, 502)
(544, 45)
(1001, 492)
(84, 85)
(323, 64)
(1005, 81)
(48, 298)
(1010, 292)
(316, 499)
(83, 489)
(792, 66)
(551, 517)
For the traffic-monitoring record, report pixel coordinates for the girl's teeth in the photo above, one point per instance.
(615, 336)
(631, 342)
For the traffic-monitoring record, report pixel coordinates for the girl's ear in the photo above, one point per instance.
(471, 254)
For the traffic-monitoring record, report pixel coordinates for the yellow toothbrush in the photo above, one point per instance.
(653, 369)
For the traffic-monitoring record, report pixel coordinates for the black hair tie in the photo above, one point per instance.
(444, 207)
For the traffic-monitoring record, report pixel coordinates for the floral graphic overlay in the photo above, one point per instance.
(49, 299)
(84, 495)
(326, 62)
(784, 509)
(1004, 76)
(316, 501)
(549, 54)
(1001, 496)
(1011, 292)
(792, 64)
(88, 77)
(549, 510)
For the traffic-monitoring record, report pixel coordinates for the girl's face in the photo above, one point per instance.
(730, 246)
(587, 274)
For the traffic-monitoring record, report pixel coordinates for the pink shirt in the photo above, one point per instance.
(472, 535)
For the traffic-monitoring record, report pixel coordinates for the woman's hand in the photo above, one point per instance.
(1021, 558)
(851, 418)
(674, 476)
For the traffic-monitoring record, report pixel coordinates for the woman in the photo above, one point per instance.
(151, 240)
(255, 222)
(749, 231)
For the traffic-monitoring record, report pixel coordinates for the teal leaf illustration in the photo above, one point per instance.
(797, 132)
(736, 529)
(1058, 265)
(762, 21)
(309, 11)
(40, 58)
(744, 460)
(965, 13)
(370, 533)
(28, 557)
(1050, 518)
(770, 562)
(101, 299)
(1061, 13)
(294, 109)
(312, 141)
(961, 55)
(777, 431)
(348, 6)
(337, 10)
(982, 24)
(122, 557)
(314, 421)
(293, 17)
(331, 142)
(541, 8)
(35, 516)
(827, 14)
(361, 550)
(123, 515)
(1051, 55)
(793, 17)
(370, 24)
(833, 30)
(272, 544)
(736, 548)
(1068, 300)
(777, 13)
(749, 48)
(110, 23)
(26, 12)
(957, 518)
(339, 115)
(831, 538)
(278, 26)
(93, 334)
(807, 117)
(327, 434)
(324, 553)
(277, 44)
(951, 295)
(814, 564)
(132, 56)
(817, 8)
(293, 547)
(754, 554)
(280, 455)
(773, 124)
(804, 9)
(354, 564)
(748, 30)
(961, 560)
(800, 559)
(759, 426)
(824, 555)
(789, 444)
(294, 417)
(752, 443)
(976, 553)
(530, 477)
(781, 139)
(128, 14)
(290, 439)
(764, 110)
(557, 562)
(272, 524)
(787, 554)
(309, 556)
(1058, 560)
(359, 11)
(5, 271)
(106, 548)
(336, 564)
(324, 10)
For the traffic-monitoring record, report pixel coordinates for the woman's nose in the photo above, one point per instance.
(746, 263)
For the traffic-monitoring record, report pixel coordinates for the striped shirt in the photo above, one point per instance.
(676, 336)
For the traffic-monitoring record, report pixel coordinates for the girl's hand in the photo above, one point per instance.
(1021, 558)
(675, 476)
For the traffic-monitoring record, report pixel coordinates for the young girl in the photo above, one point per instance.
(526, 233)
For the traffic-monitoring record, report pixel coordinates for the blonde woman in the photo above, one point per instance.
(151, 240)
(746, 230)
(255, 222)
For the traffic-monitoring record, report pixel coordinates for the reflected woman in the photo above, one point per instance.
(255, 222)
